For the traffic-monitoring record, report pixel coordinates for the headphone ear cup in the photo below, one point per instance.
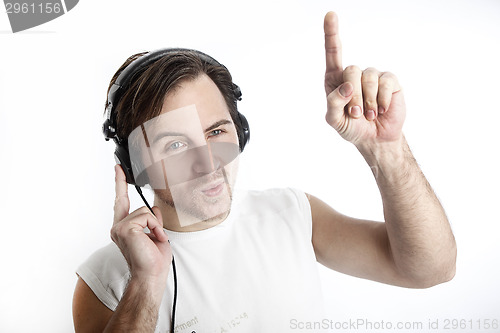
(244, 136)
(122, 157)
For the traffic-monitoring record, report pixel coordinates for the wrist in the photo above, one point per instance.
(377, 152)
(386, 158)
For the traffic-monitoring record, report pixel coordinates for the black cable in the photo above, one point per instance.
(172, 323)
(144, 199)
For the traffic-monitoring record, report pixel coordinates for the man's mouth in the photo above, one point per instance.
(213, 189)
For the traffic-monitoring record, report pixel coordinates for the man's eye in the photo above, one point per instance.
(215, 132)
(176, 145)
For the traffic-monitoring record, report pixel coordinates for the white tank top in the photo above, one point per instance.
(254, 272)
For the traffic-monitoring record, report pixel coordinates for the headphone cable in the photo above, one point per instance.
(172, 323)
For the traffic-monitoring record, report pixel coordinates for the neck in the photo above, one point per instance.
(183, 222)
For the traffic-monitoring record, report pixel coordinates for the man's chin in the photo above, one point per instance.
(205, 207)
(202, 206)
(214, 220)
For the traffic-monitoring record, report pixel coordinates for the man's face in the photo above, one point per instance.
(192, 150)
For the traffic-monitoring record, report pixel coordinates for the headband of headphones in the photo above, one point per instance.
(124, 79)
(123, 82)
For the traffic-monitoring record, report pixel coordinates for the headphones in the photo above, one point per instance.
(121, 85)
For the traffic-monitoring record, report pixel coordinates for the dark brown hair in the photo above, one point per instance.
(143, 98)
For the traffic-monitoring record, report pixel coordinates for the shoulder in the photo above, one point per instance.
(274, 199)
(285, 208)
(110, 259)
(106, 272)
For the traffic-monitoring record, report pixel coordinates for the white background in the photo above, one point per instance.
(57, 182)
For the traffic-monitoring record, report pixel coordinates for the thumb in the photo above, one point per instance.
(336, 101)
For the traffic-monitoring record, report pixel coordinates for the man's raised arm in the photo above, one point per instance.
(415, 247)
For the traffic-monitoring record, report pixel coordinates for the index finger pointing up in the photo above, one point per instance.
(333, 47)
(122, 202)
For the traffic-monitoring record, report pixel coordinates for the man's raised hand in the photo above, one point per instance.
(148, 255)
(365, 107)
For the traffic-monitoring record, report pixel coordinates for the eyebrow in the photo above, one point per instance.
(164, 134)
(217, 124)
(208, 129)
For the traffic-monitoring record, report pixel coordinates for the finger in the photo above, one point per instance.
(143, 218)
(337, 100)
(164, 247)
(159, 232)
(333, 47)
(151, 222)
(387, 85)
(122, 202)
(352, 74)
(135, 221)
(369, 84)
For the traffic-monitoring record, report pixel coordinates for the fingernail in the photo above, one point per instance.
(345, 90)
(356, 111)
(381, 109)
(370, 114)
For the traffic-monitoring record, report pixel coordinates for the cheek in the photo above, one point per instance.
(231, 170)
(231, 136)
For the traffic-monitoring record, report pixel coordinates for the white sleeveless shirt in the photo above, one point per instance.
(254, 272)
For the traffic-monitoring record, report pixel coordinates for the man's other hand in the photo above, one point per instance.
(365, 107)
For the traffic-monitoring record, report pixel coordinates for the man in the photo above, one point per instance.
(249, 265)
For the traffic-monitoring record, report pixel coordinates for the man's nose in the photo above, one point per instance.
(204, 160)
(199, 161)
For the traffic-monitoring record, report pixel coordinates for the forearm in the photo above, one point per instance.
(421, 241)
(138, 308)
